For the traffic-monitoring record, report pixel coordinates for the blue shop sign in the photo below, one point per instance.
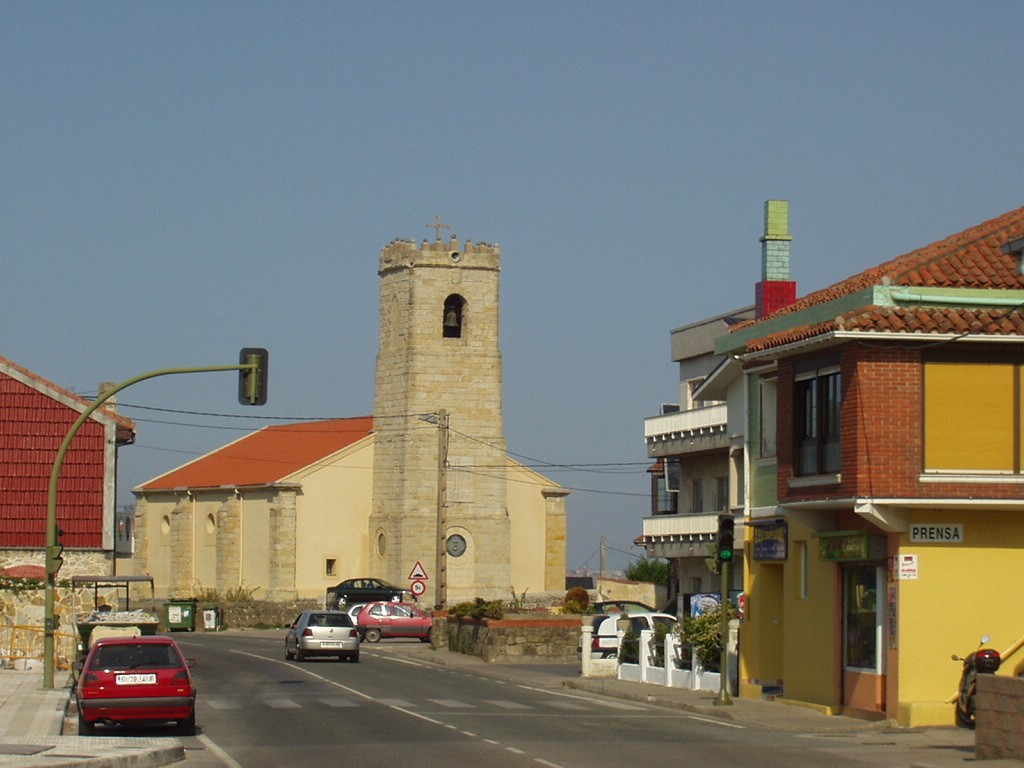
(771, 540)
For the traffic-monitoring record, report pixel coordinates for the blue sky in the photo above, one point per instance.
(184, 179)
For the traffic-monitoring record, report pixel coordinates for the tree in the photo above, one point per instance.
(648, 569)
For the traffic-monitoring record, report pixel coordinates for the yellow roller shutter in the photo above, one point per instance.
(969, 417)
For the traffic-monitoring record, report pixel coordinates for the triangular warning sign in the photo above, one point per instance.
(418, 572)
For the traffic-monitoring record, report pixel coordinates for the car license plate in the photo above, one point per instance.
(136, 679)
(329, 644)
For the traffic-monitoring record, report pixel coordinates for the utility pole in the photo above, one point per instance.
(441, 565)
(724, 699)
(604, 554)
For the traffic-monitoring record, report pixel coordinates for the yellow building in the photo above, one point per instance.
(885, 473)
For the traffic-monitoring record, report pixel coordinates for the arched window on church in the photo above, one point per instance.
(451, 325)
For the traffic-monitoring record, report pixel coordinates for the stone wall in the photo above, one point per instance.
(516, 638)
(22, 610)
(260, 614)
(22, 614)
(1000, 721)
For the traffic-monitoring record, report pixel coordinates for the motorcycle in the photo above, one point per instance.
(983, 661)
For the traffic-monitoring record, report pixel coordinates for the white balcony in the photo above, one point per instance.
(696, 527)
(691, 431)
(681, 536)
(699, 420)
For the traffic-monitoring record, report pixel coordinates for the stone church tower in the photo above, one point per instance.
(439, 393)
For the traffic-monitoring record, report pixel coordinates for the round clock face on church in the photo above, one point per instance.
(456, 545)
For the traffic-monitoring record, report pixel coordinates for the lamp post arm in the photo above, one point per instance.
(49, 628)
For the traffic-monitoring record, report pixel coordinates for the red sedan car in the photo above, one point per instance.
(135, 680)
(377, 620)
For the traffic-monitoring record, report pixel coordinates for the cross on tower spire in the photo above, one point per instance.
(437, 225)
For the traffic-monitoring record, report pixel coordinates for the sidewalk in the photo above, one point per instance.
(32, 721)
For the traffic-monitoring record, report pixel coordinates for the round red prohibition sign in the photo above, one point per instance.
(418, 587)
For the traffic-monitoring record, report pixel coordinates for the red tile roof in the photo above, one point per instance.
(973, 258)
(268, 456)
(46, 386)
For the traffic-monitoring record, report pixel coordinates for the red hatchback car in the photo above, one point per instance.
(135, 680)
(377, 620)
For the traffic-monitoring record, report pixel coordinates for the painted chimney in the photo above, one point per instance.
(775, 290)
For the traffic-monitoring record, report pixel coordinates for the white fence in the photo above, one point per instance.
(673, 673)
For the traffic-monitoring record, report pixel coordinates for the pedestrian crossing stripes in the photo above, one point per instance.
(453, 705)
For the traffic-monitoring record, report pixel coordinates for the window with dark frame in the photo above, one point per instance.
(721, 494)
(697, 496)
(818, 401)
(662, 499)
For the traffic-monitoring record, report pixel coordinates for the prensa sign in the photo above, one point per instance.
(946, 533)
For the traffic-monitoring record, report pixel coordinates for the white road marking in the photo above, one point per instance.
(506, 704)
(281, 703)
(712, 721)
(219, 753)
(338, 703)
(451, 703)
(397, 703)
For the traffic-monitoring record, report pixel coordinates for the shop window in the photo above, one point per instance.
(862, 641)
(818, 401)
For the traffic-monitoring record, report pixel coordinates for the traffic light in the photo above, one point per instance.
(726, 529)
(54, 558)
(252, 382)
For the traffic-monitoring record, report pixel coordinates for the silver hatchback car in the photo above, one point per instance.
(322, 633)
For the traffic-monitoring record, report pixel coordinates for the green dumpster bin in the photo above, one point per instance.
(180, 615)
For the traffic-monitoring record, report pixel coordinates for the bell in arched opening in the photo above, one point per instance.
(451, 326)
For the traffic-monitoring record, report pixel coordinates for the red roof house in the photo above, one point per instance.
(35, 417)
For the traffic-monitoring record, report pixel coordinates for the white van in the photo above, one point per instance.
(604, 643)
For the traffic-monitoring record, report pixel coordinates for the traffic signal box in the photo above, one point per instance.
(726, 531)
(252, 382)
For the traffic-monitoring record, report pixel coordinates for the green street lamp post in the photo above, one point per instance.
(252, 390)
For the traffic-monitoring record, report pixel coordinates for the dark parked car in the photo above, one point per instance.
(364, 591)
(322, 633)
(134, 680)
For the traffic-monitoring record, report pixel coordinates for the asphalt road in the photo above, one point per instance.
(258, 710)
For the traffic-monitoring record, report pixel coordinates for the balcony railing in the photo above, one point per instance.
(680, 525)
(709, 418)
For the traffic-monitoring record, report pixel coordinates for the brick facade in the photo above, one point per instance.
(882, 429)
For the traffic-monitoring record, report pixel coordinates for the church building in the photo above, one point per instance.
(422, 494)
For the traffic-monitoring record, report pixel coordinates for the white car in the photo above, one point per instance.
(605, 641)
